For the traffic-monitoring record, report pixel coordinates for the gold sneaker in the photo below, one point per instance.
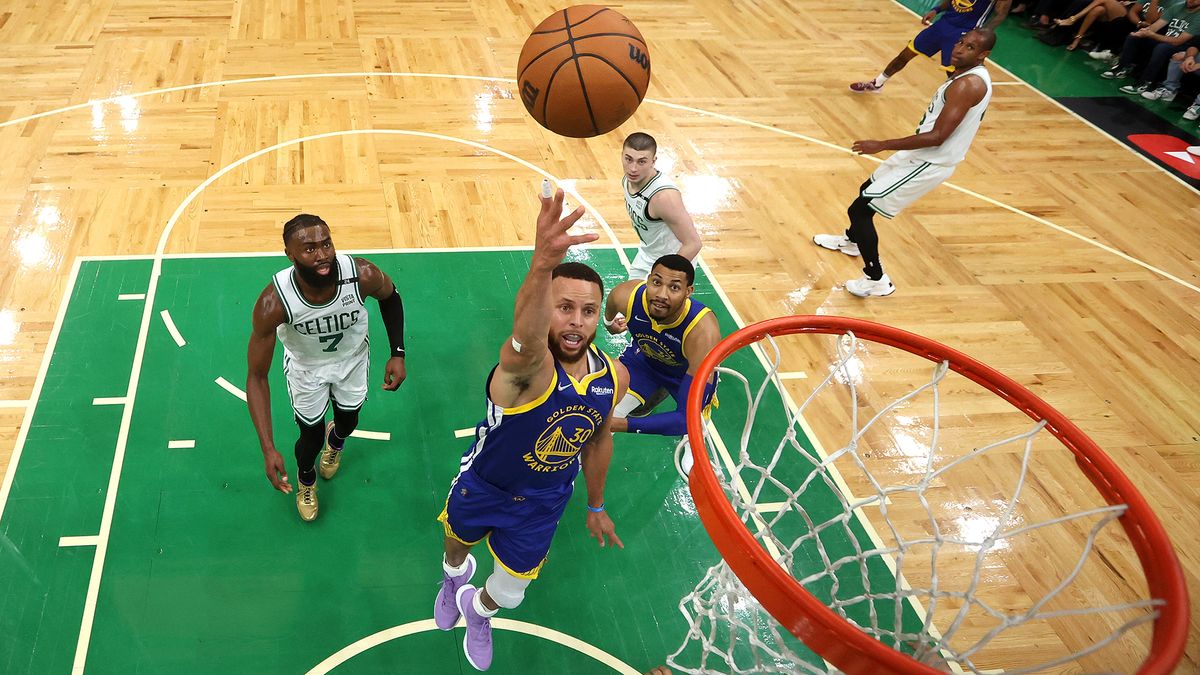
(330, 459)
(306, 501)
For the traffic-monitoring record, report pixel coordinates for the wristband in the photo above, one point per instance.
(609, 324)
(596, 509)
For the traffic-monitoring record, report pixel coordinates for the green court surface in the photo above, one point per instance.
(210, 570)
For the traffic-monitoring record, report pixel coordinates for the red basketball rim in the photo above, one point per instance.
(843, 644)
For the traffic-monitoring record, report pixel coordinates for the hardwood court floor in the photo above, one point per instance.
(1064, 260)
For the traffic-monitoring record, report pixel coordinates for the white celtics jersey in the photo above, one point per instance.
(657, 238)
(954, 150)
(315, 336)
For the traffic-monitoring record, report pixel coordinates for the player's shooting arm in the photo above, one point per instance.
(524, 358)
(700, 342)
(960, 96)
(667, 206)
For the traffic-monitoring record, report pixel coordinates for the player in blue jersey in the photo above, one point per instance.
(671, 333)
(957, 18)
(549, 406)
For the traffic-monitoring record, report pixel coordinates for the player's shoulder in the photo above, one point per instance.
(270, 306)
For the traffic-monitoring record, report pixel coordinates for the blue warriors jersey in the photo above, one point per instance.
(533, 449)
(968, 14)
(660, 344)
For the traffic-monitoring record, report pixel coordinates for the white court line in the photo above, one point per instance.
(112, 400)
(14, 403)
(19, 446)
(180, 445)
(229, 387)
(132, 296)
(371, 641)
(89, 540)
(463, 433)
(676, 106)
(166, 317)
(792, 375)
(371, 435)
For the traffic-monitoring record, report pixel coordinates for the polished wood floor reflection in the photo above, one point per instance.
(425, 145)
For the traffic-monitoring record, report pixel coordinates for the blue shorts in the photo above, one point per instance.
(644, 379)
(940, 36)
(518, 528)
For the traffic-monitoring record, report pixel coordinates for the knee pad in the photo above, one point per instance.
(860, 209)
(508, 591)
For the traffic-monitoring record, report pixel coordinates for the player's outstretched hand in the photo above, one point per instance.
(619, 324)
(929, 16)
(867, 147)
(277, 472)
(394, 374)
(600, 526)
(660, 670)
(552, 239)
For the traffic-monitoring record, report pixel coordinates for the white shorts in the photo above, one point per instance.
(639, 269)
(900, 181)
(345, 381)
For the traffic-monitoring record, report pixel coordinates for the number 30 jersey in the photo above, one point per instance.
(315, 336)
(533, 449)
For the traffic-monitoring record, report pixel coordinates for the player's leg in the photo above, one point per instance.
(947, 37)
(894, 186)
(923, 43)
(644, 392)
(349, 391)
(308, 446)
(843, 242)
(309, 396)
(343, 424)
(519, 546)
(466, 520)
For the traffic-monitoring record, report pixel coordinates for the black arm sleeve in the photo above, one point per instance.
(392, 310)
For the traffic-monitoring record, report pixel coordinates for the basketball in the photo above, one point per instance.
(583, 71)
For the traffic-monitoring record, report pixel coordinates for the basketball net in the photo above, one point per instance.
(731, 632)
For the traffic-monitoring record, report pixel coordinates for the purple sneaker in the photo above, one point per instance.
(445, 612)
(865, 87)
(478, 642)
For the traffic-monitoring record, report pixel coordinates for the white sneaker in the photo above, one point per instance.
(1160, 94)
(1194, 149)
(866, 287)
(1193, 112)
(1101, 55)
(836, 242)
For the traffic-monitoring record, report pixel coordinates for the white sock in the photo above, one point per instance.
(479, 608)
(880, 80)
(455, 571)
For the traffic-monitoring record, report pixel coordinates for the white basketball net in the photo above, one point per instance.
(731, 633)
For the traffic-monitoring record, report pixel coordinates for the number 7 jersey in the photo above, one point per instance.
(314, 336)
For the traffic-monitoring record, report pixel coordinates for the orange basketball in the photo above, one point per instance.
(583, 71)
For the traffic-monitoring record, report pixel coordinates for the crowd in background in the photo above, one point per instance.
(1151, 43)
